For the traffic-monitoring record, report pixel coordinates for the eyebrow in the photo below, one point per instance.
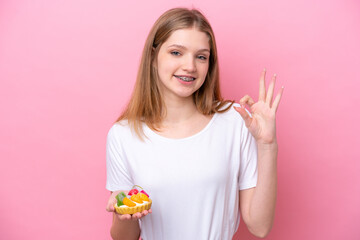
(183, 47)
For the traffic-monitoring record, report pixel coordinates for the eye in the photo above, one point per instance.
(202, 57)
(175, 53)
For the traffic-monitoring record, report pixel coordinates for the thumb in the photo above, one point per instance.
(110, 206)
(244, 114)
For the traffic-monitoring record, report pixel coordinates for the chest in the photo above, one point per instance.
(205, 161)
(185, 129)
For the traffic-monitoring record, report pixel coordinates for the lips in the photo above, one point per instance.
(185, 78)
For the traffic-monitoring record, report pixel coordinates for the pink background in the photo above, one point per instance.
(67, 69)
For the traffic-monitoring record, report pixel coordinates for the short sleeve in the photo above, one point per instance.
(117, 174)
(248, 160)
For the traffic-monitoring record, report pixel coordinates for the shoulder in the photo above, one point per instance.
(119, 130)
(124, 132)
(231, 113)
(231, 120)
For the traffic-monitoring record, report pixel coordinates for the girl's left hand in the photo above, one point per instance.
(261, 124)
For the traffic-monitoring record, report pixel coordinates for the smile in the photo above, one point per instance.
(185, 79)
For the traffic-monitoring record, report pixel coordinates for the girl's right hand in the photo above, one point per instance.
(123, 217)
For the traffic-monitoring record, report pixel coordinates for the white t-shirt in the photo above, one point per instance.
(194, 182)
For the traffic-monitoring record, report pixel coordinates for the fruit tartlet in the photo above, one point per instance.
(133, 202)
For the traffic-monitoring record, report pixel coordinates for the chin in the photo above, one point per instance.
(185, 94)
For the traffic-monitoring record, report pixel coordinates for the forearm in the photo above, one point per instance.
(262, 208)
(125, 230)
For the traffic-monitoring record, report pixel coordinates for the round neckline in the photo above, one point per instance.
(153, 133)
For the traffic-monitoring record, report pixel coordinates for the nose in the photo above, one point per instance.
(189, 64)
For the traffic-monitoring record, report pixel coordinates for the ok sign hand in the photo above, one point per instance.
(261, 123)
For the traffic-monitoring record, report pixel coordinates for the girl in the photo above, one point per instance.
(203, 160)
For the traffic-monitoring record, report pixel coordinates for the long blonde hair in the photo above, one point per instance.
(146, 104)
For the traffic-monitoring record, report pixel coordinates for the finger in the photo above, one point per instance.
(246, 100)
(136, 216)
(270, 91)
(244, 114)
(112, 201)
(262, 89)
(124, 217)
(110, 206)
(145, 212)
(150, 211)
(277, 99)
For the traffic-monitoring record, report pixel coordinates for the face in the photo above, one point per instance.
(183, 62)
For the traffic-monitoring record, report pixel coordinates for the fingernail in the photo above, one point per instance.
(264, 69)
(275, 75)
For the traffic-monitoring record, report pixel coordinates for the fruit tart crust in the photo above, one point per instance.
(135, 209)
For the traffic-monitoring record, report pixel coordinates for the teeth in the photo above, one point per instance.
(186, 79)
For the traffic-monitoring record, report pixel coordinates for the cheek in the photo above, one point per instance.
(204, 68)
(168, 67)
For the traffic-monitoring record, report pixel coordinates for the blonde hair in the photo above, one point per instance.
(146, 104)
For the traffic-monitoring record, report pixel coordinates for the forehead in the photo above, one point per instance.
(190, 38)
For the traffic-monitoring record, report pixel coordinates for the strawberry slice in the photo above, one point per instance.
(133, 191)
(142, 191)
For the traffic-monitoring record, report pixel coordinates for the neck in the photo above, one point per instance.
(179, 110)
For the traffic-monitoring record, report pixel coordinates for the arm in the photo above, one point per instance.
(257, 205)
(124, 227)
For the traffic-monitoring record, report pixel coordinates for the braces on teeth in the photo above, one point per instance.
(187, 79)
